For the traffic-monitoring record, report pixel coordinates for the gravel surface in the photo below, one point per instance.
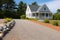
(1, 21)
(26, 30)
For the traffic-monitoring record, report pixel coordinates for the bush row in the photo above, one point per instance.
(54, 22)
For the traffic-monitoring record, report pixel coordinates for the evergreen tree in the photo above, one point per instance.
(21, 9)
(56, 16)
(9, 6)
(58, 11)
(34, 3)
(1, 3)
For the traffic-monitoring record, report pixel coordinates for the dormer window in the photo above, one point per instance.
(44, 8)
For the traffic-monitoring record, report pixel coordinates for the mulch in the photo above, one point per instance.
(57, 28)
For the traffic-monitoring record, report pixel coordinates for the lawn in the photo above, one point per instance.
(51, 21)
(49, 25)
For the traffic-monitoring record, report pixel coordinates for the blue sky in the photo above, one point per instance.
(53, 5)
(30, 1)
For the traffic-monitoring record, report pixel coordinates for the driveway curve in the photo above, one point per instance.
(27, 30)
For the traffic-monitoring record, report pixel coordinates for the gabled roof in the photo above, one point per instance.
(41, 9)
(34, 8)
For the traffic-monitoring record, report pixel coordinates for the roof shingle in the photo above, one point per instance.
(34, 8)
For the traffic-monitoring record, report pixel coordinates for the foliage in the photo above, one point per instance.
(9, 9)
(55, 23)
(7, 20)
(58, 11)
(23, 17)
(32, 19)
(9, 6)
(21, 8)
(34, 3)
(46, 20)
(1, 2)
(56, 16)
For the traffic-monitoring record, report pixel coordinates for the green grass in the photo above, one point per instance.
(46, 20)
(32, 19)
(7, 20)
(51, 21)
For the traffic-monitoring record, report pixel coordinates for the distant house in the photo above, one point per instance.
(40, 12)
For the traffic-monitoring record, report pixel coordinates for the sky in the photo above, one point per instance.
(53, 5)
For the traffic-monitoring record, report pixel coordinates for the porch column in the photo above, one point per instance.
(38, 15)
(45, 15)
(35, 15)
(48, 15)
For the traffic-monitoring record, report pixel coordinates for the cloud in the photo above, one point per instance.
(53, 5)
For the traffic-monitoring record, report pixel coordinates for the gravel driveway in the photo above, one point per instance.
(26, 30)
(1, 21)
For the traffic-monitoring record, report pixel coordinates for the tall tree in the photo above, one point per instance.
(1, 2)
(9, 6)
(58, 11)
(56, 16)
(21, 8)
(34, 3)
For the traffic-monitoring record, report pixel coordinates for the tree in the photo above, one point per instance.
(21, 9)
(58, 11)
(56, 16)
(9, 6)
(34, 3)
(0, 4)
(7, 9)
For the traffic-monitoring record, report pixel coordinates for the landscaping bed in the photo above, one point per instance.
(1, 21)
(51, 21)
(47, 25)
(5, 26)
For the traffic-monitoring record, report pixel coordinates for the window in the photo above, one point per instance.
(42, 14)
(46, 14)
(36, 14)
(44, 8)
(33, 14)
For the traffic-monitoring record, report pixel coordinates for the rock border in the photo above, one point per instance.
(5, 28)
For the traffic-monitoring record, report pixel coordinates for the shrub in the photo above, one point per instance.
(46, 21)
(56, 16)
(23, 17)
(27, 18)
(33, 19)
(55, 23)
(7, 20)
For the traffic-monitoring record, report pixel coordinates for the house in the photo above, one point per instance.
(40, 12)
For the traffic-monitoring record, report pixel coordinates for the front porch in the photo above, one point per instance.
(42, 15)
